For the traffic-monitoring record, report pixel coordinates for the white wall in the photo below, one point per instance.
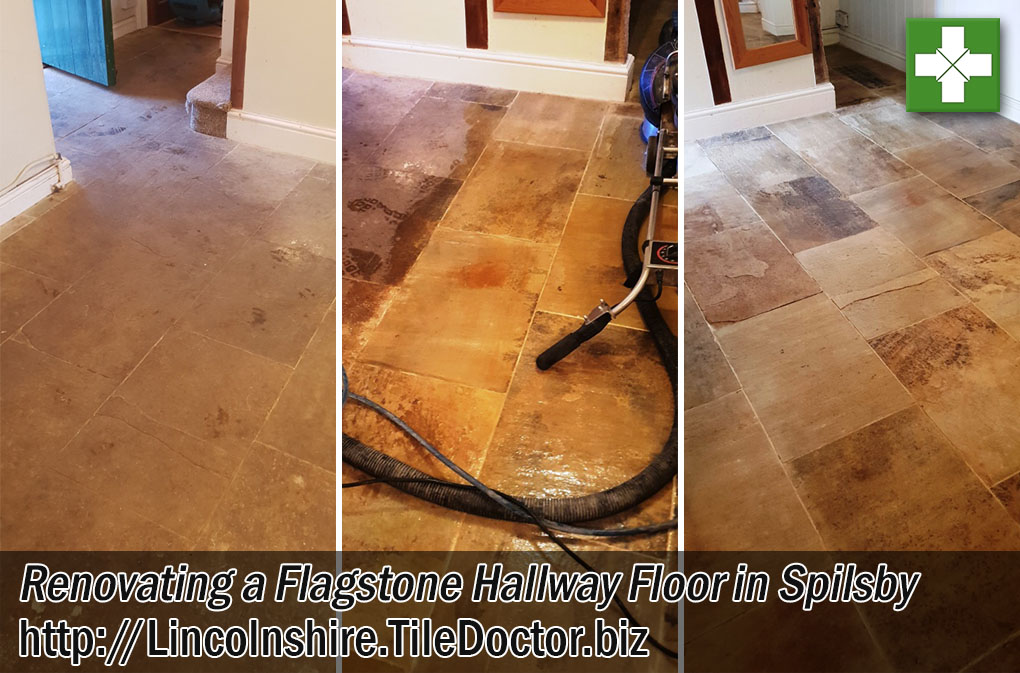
(696, 85)
(760, 94)
(289, 79)
(530, 52)
(1008, 14)
(878, 29)
(127, 16)
(25, 131)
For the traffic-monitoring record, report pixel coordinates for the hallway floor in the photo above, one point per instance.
(852, 328)
(479, 225)
(168, 371)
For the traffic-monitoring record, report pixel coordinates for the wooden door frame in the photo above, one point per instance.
(240, 48)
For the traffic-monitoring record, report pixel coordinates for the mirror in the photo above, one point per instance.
(762, 31)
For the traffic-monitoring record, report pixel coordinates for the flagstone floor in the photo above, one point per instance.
(852, 369)
(852, 328)
(479, 225)
(167, 327)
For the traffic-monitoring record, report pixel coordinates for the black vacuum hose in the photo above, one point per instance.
(659, 473)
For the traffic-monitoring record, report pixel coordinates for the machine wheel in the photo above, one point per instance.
(650, 152)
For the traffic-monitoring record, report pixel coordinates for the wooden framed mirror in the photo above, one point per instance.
(762, 31)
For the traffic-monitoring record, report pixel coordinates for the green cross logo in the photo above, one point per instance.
(953, 64)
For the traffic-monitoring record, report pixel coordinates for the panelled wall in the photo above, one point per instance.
(876, 29)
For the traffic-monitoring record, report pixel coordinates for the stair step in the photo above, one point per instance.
(207, 104)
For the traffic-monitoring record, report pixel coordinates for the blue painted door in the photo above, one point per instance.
(76, 36)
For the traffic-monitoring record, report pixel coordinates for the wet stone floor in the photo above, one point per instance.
(167, 327)
(479, 226)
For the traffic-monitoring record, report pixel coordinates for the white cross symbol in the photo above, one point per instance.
(952, 65)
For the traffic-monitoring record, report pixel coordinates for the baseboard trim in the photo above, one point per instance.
(125, 26)
(1009, 107)
(580, 79)
(873, 50)
(281, 135)
(830, 36)
(767, 110)
(223, 62)
(34, 190)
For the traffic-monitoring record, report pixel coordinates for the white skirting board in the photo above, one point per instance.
(580, 79)
(34, 190)
(873, 50)
(281, 135)
(125, 26)
(768, 110)
(1009, 107)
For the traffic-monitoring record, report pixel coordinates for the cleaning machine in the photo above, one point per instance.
(649, 263)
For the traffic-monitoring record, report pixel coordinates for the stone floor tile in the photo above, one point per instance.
(365, 122)
(893, 128)
(959, 167)
(459, 278)
(554, 121)
(268, 300)
(808, 351)
(520, 191)
(739, 273)
(303, 422)
(923, 215)
(588, 267)
(24, 294)
(275, 503)
(900, 485)
(206, 389)
(110, 319)
(736, 494)
(987, 270)
(965, 372)
(439, 137)
(809, 211)
(1001, 204)
(707, 373)
(388, 217)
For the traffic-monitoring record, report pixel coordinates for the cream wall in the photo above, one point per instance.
(567, 37)
(441, 23)
(529, 52)
(290, 62)
(437, 22)
(25, 131)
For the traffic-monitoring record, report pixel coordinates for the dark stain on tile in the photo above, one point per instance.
(754, 133)
(1001, 204)
(388, 219)
(473, 93)
(807, 212)
(740, 273)
(921, 353)
(862, 492)
(707, 373)
(964, 370)
(864, 75)
(483, 274)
